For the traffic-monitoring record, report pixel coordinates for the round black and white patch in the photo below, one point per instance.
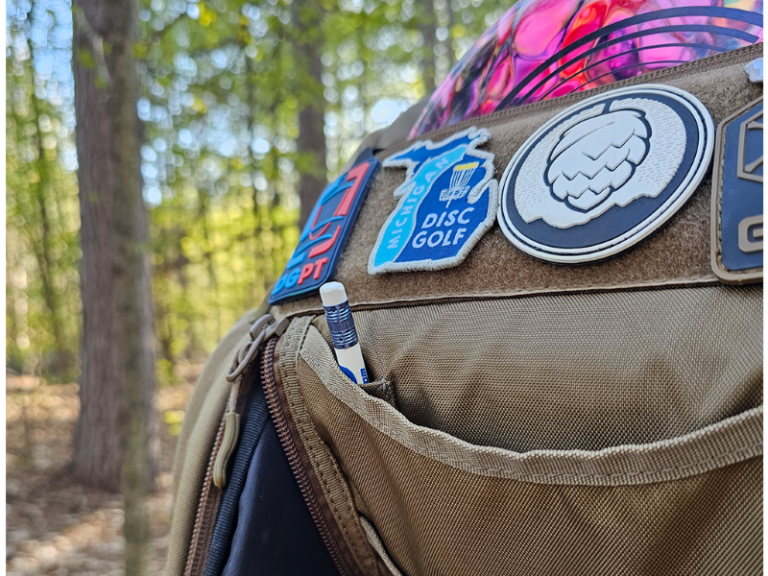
(605, 173)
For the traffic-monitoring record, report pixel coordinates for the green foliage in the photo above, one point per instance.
(42, 291)
(222, 87)
(174, 418)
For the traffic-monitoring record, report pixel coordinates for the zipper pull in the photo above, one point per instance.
(228, 443)
(263, 329)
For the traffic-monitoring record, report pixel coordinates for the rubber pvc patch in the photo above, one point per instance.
(314, 261)
(447, 202)
(737, 197)
(605, 173)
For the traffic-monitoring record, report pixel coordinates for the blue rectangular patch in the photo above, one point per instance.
(738, 196)
(314, 261)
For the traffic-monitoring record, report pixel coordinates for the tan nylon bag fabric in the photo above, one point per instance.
(532, 438)
(202, 418)
(529, 431)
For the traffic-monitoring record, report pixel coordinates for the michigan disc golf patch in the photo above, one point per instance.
(447, 202)
(323, 238)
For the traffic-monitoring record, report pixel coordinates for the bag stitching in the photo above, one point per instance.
(461, 464)
(707, 279)
(453, 461)
(319, 468)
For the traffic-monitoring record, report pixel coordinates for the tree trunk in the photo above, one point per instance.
(96, 457)
(13, 357)
(203, 200)
(150, 460)
(250, 121)
(310, 144)
(42, 250)
(112, 442)
(428, 29)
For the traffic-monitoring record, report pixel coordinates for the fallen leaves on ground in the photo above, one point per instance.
(54, 525)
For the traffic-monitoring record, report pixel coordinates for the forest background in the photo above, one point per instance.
(244, 110)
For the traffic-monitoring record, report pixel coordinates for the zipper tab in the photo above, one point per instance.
(228, 443)
(262, 330)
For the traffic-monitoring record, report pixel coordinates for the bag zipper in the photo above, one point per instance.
(333, 542)
(205, 516)
(224, 445)
(264, 330)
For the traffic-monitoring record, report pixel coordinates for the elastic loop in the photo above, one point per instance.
(238, 368)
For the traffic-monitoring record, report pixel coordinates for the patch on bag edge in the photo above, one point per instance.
(737, 197)
(323, 238)
(447, 202)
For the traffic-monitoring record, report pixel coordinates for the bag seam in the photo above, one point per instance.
(459, 464)
(350, 534)
(702, 280)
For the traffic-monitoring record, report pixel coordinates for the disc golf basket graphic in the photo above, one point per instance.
(458, 186)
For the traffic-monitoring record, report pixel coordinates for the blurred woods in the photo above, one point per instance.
(240, 105)
(204, 131)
